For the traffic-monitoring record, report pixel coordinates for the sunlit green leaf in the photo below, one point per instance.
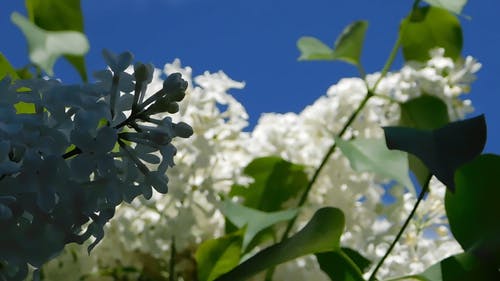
(275, 182)
(473, 210)
(321, 234)
(312, 48)
(454, 6)
(253, 220)
(425, 112)
(56, 15)
(427, 28)
(348, 45)
(372, 155)
(45, 47)
(217, 256)
(6, 68)
(442, 150)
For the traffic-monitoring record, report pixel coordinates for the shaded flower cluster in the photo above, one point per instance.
(69, 154)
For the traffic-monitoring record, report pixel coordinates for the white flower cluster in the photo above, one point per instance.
(211, 161)
(70, 154)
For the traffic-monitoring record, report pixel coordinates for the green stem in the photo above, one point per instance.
(324, 161)
(315, 176)
(389, 61)
(400, 233)
(171, 274)
(394, 52)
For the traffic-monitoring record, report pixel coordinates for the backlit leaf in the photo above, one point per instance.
(217, 256)
(275, 182)
(372, 155)
(6, 68)
(253, 220)
(321, 234)
(427, 28)
(347, 48)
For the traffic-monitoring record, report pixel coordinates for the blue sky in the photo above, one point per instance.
(255, 41)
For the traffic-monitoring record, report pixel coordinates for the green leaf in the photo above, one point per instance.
(339, 266)
(348, 45)
(275, 182)
(427, 28)
(425, 112)
(460, 267)
(56, 15)
(442, 150)
(217, 256)
(361, 262)
(312, 48)
(372, 155)
(454, 6)
(6, 68)
(253, 220)
(473, 210)
(45, 47)
(321, 234)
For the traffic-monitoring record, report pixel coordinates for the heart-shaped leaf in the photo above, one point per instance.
(473, 210)
(347, 48)
(372, 155)
(321, 234)
(45, 47)
(275, 182)
(253, 220)
(442, 150)
(427, 28)
(312, 48)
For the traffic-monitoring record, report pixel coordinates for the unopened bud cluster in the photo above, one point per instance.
(69, 154)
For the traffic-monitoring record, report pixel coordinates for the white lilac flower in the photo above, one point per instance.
(209, 162)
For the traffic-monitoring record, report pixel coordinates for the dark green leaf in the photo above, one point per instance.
(460, 267)
(442, 150)
(45, 47)
(321, 234)
(253, 220)
(348, 45)
(275, 182)
(56, 15)
(217, 256)
(454, 6)
(427, 28)
(361, 262)
(474, 210)
(372, 155)
(339, 267)
(6, 68)
(428, 113)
